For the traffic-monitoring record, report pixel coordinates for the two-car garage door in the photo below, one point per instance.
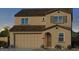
(28, 40)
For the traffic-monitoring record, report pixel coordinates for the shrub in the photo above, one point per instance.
(3, 44)
(58, 47)
(42, 46)
(12, 46)
(69, 47)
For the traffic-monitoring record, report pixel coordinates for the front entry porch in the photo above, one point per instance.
(48, 40)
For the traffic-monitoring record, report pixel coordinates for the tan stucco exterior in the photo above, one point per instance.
(54, 37)
(35, 20)
(35, 41)
(38, 20)
(48, 17)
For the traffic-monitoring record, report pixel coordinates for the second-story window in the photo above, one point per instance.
(58, 19)
(24, 21)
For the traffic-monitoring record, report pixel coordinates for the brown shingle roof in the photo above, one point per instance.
(21, 28)
(40, 11)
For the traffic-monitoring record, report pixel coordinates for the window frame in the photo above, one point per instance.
(62, 20)
(62, 37)
(23, 21)
(58, 20)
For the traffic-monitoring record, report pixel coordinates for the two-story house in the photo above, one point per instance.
(38, 27)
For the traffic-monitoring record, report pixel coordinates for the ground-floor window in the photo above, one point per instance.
(61, 37)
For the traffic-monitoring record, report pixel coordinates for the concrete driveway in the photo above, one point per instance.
(29, 49)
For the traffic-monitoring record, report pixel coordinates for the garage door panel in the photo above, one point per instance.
(28, 40)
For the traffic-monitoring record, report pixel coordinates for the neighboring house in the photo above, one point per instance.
(37, 27)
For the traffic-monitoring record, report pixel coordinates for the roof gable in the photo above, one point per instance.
(67, 28)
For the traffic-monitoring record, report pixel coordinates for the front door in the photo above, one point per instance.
(48, 40)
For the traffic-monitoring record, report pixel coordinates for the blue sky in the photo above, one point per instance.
(7, 17)
(76, 19)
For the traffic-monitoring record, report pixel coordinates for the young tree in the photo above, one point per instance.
(5, 32)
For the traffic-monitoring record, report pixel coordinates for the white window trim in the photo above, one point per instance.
(58, 21)
(24, 24)
(58, 37)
